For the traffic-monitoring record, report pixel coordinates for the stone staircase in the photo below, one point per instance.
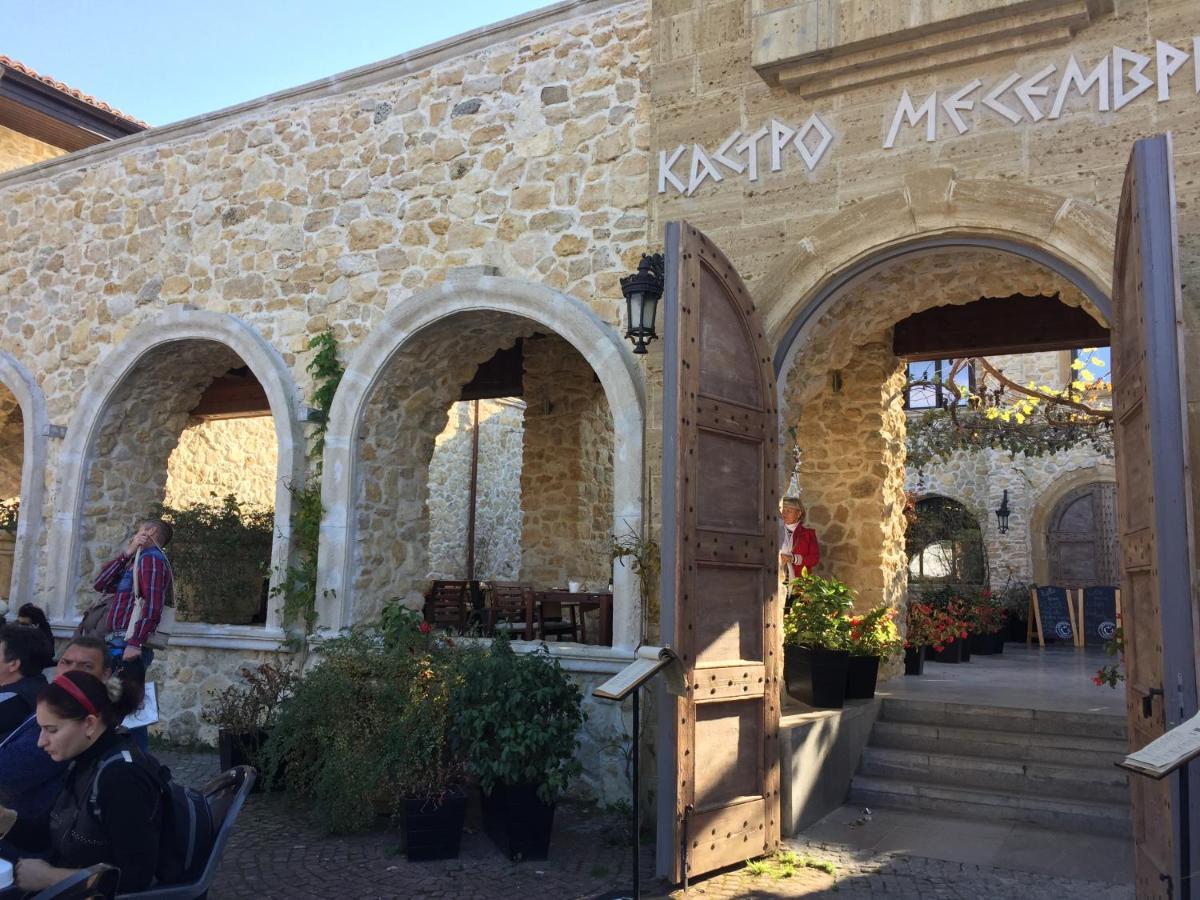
(1053, 769)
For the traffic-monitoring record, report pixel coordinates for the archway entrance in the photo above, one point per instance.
(1082, 537)
(392, 523)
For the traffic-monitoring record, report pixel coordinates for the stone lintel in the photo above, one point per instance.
(467, 274)
(818, 47)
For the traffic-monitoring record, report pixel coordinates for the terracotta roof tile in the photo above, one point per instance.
(67, 89)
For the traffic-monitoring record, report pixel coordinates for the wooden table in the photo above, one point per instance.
(584, 601)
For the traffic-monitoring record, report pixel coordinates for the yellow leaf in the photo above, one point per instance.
(1028, 408)
(1097, 361)
(993, 413)
(1087, 376)
(1078, 364)
(1006, 416)
(1020, 419)
(1078, 385)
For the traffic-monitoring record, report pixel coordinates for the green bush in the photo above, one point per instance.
(819, 616)
(520, 720)
(371, 724)
(220, 556)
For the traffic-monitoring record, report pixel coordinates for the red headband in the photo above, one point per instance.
(73, 689)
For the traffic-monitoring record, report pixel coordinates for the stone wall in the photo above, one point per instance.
(218, 457)
(17, 150)
(498, 492)
(851, 440)
(566, 479)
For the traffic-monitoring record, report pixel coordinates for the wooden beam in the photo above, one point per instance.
(232, 397)
(992, 326)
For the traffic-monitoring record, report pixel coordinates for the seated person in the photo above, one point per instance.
(33, 617)
(22, 652)
(110, 809)
(29, 779)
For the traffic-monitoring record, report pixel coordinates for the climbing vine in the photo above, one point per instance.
(297, 586)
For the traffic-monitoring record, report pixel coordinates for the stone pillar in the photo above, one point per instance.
(851, 436)
(566, 475)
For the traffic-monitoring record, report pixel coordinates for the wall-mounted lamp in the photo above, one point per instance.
(1002, 514)
(642, 291)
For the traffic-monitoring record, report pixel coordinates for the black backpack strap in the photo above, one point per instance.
(93, 798)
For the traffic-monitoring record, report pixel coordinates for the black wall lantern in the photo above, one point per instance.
(1002, 514)
(642, 291)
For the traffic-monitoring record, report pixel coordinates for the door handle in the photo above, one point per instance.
(1148, 701)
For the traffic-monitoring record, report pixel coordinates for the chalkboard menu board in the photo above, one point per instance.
(1099, 614)
(1054, 612)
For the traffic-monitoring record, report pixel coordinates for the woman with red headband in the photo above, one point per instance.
(111, 806)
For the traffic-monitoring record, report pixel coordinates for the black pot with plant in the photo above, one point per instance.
(816, 641)
(245, 713)
(874, 638)
(518, 726)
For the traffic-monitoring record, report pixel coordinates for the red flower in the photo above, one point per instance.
(424, 628)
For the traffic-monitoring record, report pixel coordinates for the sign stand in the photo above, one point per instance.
(648, 662)
(1172, 752)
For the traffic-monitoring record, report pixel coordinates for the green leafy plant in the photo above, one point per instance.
(819, 616)
(784, 864)
(520, 722)
(326, 371)
(248, 710)
(642, 554)
(10, 511)
(372, 724)
(1114, 673)
(220, 556)
(297, 584)
(875, 633)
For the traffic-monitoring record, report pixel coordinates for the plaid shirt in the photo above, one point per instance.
(154, 577)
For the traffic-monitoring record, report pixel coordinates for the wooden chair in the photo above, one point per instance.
(551, 621)
(510, 609)
(448, 604)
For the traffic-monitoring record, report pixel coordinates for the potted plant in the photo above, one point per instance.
(927, 628)
(245, 714)
(517, 728)
(368, 731)
(873, 637)
(1014, 597)
(987, 623)
(816, 641)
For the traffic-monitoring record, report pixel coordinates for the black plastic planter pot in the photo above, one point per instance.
(230, 749)
(433, 828)
(952, 653)
(914, 660)
(981, 644)
(816, 676)
(862, 673)
(517, 821)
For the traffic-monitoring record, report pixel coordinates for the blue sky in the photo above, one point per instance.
(166, 60)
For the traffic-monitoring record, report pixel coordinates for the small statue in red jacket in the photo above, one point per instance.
(799, 550)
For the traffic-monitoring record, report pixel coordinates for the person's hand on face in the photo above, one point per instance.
(141, 540)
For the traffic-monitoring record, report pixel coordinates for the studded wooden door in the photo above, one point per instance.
(1153, 505)
(719, 754)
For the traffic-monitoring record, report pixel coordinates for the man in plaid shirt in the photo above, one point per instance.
(154, 582)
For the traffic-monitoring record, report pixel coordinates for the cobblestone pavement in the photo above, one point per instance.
(276, 853)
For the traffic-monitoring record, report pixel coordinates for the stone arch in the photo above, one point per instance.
(1044, 506)
(106, 378)
(935, 209)
(22, 384)
(596, 341)
(826, 292)
(976, 557)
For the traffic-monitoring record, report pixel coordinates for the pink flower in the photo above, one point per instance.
(424, 628)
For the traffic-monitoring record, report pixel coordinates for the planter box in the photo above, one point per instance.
(914, 660)
(954, 653)
(987, 644)
(517, 821)
(432, 828)
(862, 674)
(816, 676)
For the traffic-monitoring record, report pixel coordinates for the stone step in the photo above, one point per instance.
(1004, 718)
(1052, 812)
(998, 775)
(1016, 747)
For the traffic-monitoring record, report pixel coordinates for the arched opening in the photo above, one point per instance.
(1082, 537)
(1043, 521)
(944, 545)
(195, 412)
(395, 521)
(23, 429)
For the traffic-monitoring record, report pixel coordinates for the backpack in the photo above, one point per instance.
(188, 833)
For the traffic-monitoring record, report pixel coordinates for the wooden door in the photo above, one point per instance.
(1082, 538)
(719, 743)
(1153, 505)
